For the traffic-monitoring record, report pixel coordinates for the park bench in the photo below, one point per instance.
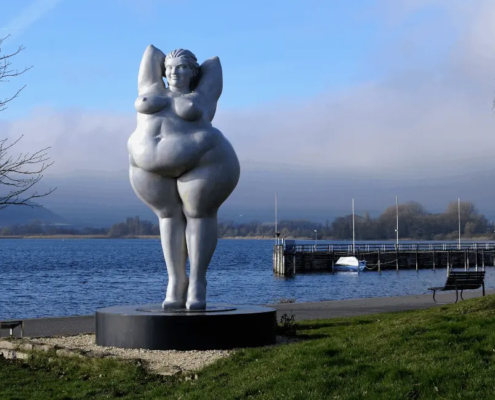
(11, 325)
(461, 280)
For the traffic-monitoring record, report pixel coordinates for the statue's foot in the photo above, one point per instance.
(196, 305)
(196, 296)
(176, 295)
(173, 305)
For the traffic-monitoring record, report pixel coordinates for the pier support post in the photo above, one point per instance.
(448, 262)
(279, 260)
(275, 261)
(433, 259)
(357, 256)
(333, 262)
(466, 260)
(397, 258)
(416, 258)
(379, 268)
(483, 259)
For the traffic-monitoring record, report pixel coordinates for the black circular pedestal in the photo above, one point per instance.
(220, 326)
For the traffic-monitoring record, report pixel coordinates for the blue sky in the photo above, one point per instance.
(86, 53)
(397, 92)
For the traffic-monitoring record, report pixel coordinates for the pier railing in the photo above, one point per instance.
(292, 258)
(384, 247)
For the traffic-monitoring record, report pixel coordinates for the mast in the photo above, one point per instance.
(397, 222)
(353, 230)
(459, 218)
(276, 219)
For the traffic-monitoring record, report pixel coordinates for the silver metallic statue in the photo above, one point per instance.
(181, 166)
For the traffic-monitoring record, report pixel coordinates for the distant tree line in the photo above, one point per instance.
(132, 227)
(414, 223)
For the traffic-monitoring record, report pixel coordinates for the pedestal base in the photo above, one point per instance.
(220, 326)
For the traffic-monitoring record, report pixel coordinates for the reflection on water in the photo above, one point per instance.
(40, 278)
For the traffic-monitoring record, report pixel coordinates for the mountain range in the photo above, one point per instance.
(25, 214)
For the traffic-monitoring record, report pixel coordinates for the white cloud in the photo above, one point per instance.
(424, 118)
(79, 140)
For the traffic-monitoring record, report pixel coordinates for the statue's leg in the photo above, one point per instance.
(202, 191)
(172, 230)
(160, 194)
(201, 237)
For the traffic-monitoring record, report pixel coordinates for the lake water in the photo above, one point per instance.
(41, 278)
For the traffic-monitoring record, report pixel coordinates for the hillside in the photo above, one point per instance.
(22, 215)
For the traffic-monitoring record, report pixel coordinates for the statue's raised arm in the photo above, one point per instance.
(151, 71)
(210, 85)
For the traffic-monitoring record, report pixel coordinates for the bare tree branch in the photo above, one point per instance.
(7, 72)
(19, 174)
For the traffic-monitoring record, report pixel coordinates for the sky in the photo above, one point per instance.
(387, 92)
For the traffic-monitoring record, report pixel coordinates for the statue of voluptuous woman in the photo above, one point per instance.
(181, 166)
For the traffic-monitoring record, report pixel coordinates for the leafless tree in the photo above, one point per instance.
(18, 174)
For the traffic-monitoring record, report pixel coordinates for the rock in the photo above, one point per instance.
(21, 356)
(43, 347)
(4, 344)
(14, 355)
(168, 371)
(68, 353)
(9, 354)
(26, 347)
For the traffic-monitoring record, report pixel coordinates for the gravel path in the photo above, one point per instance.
(157, 360)
(165, 362)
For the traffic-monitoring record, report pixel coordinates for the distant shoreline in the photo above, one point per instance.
(107, 237)
(157, 237)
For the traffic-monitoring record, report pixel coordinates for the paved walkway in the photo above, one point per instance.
(302, 311)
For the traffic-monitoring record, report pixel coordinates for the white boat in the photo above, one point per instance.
(349, 264)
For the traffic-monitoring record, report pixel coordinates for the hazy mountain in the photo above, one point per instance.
(102, 199)
(22, 215)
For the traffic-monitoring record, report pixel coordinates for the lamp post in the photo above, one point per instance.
(316, 238)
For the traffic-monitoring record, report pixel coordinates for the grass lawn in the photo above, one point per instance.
(441, 353)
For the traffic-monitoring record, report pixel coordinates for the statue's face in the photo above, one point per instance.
(178, 73)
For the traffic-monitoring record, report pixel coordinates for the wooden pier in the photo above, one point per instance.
(291, 259)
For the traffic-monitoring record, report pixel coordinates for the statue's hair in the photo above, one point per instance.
(188, 57)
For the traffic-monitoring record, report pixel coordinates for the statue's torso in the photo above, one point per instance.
(164, 141)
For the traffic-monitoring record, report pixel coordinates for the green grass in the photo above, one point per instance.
(441, 353)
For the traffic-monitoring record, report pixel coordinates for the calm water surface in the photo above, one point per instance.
(41, 278)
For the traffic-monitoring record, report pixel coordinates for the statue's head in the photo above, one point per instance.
(181, 70)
